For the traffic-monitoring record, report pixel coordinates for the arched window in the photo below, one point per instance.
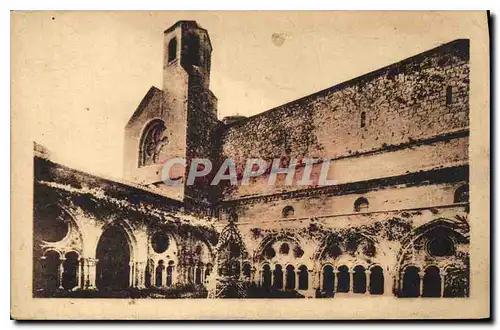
(70, 264)
(152, 142)
(290, 278)
(376, 280)
(278, 277)
(449, 95)
(432, 283)
(159, 273)
(411, 282)
(359, 280)
(328, 279)
(266, 276)
(343, 279)
(288, 212)
(303, 278)
(462, 194)
(363, 119)
(361, 204)
(172, 49)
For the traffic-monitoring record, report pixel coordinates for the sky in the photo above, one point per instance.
(77, 77)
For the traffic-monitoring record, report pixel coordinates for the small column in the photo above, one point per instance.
(272, 276)
(443, 282)
(297, 272)
(367, 275)
(335, 280)
(89, 272)
(61, 271)
(421, 282)
(310, 279)
(351, 280)
(131, 274)
(252, 274)
(93, 271)
(79, 273)
(240, 277)
(164, 277)
(400, 282)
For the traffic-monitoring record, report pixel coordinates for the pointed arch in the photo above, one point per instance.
(230, 234)
(115, 249)
(230, 251)
(458, 228)
(128, 229)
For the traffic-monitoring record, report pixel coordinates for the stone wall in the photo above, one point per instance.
(332, 202)
(405, 102)
(202, 127)
(94, 211)
(392, 240)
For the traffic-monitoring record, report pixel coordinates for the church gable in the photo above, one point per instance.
(151, 101)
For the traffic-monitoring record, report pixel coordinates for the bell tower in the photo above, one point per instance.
(186, 46)
(178, 121)
(190, 106)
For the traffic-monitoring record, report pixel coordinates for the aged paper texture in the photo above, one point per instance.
(250, 165)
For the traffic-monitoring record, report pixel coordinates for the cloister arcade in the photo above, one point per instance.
(77, 254)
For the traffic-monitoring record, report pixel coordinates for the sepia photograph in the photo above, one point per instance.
(247, 162)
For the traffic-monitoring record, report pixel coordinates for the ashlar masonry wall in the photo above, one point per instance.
(418, 98)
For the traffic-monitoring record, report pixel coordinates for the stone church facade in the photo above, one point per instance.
(396, 221)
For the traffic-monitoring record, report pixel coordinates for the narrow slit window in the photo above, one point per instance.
(363, 119)
(449, 95)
